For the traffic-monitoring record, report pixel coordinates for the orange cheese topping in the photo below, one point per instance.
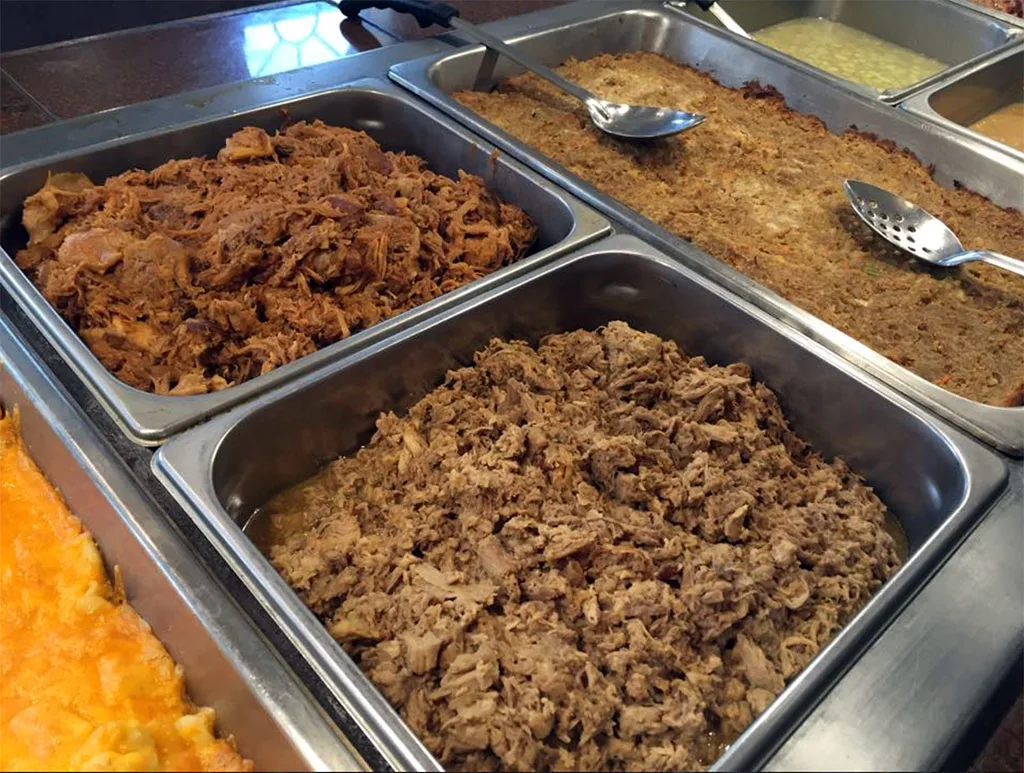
(84, 684)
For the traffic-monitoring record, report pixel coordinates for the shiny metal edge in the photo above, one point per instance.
(920, 104)
(149, 419)
(912, 700)
(184, 466)
(1006, 18)
(889, 96)
(294, 731)
(1000, 427)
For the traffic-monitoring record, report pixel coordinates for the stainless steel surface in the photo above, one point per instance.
(630, 26)
(922, 26)
(1006, 18)
(912, 697)
(391, 117)
(631, 122)
(727, 21)
(958, 102)
(918, 233)
(937, 481)
(227, 664)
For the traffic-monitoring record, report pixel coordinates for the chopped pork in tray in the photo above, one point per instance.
(204, 273)
(600, 554)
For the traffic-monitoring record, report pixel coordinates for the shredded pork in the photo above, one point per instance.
(599, 554)
(203, 273)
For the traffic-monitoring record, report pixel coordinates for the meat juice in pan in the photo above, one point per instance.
(599, 553)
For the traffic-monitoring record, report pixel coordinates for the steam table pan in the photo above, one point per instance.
(937, 481)
(958, 102)
(392, 118)
(227, 665)
(575, 31)
(923, 26)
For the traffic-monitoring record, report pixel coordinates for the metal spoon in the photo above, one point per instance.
(915, 231)
(625, 121)
(719, 13)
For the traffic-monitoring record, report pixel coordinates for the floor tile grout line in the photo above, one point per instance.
(30, 96)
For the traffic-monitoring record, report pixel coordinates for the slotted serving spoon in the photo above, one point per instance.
(630, 122)
(915, 231)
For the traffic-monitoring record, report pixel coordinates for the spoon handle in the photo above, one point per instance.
(995, 259)
(497, 44)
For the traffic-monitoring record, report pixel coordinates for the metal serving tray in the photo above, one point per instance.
(937, 481)
(922, 26)
(227, 664)
(631, 26)
(386, 113)
(973, 94)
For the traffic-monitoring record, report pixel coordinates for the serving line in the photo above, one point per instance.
(227, 665)
(969, 96)
(396, 120)
(938, 482)
(574, 31)
(921, 26)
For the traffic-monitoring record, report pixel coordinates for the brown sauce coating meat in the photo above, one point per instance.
(597, 555)
(1012, 7)
(759, 186)
(203, 273)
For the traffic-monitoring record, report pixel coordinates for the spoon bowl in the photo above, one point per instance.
(915, 231)
(639, 123)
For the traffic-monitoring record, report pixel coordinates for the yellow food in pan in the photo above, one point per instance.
(849, 53)
(84, 683)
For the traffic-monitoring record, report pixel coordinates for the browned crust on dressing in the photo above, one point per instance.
(759, 186)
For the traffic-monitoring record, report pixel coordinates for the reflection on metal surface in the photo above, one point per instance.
(637, 26)
(290, 38)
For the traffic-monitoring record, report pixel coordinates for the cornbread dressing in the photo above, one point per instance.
(759, 186)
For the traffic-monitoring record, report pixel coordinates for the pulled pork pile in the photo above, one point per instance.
(596, 555)
(204, 273)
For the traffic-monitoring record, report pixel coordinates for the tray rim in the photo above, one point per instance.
(1014, 34)
(1001, 427)
(184, 467)
(280, 691)
(920, 104)
(149, 419)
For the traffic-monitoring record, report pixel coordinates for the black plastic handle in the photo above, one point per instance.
(705, 4)
(424, 12)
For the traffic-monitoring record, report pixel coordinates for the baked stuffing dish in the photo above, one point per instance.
(759, 186)
(84, 683)
(206, 272)
(596, 554)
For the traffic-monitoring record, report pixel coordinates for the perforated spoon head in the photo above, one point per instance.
(902, 223)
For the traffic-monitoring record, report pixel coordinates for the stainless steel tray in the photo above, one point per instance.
(937, 481)
(386, 113)
(636, 26)
(1000, 15)
(971, 95)
(227, 664)
(921, 25)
